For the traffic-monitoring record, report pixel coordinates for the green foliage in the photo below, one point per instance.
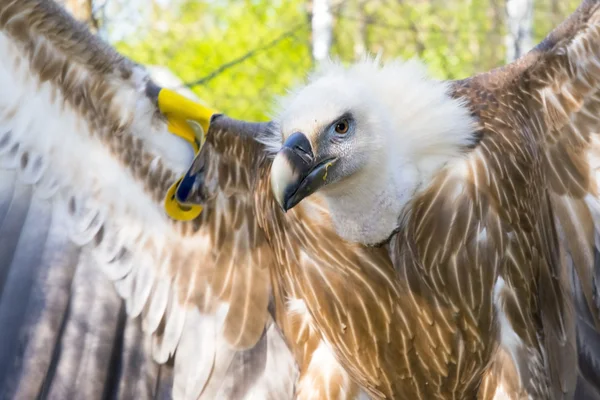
(196, 38)
(452, 37)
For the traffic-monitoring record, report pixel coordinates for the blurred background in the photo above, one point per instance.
(237, 55)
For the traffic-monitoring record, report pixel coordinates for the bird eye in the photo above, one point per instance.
(342, 126)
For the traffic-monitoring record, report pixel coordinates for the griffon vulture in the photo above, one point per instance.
(441, 237)
(470, 296)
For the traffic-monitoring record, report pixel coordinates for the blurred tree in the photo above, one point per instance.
(82, 10)
(236, 54)
(239, 54)
(455, 38)
(547, 14)
(519, 19)
(322, 29)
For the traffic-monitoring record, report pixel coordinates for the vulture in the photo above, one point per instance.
(441, 238)
(385, 236)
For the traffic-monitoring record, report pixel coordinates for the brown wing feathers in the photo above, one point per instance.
(208, 278)
(478, 253)
(241, 258)
(548, 108)
(565, 88)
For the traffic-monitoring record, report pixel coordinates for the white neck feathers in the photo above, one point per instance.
(427, 130)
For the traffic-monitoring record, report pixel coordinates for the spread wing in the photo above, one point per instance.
(565, 89)
(85, 161)
(553, 93)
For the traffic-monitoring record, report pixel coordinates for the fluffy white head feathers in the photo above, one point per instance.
(367, 137)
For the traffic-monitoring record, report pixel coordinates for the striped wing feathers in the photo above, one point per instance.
(80, 135)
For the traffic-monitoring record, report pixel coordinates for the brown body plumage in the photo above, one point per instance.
(506, 240)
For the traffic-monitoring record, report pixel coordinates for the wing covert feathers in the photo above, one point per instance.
(539, 121)
(85, 159)
(566, 97)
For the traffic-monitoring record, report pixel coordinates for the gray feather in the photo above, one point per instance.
(71, 246)
(65, 331)
(588, 338)
(63, 326)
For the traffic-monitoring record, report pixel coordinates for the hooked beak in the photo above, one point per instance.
(295, 173)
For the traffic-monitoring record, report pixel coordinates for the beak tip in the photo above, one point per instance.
(281, 203)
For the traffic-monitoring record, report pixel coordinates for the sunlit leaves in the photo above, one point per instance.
(196, 38)
(202, 36)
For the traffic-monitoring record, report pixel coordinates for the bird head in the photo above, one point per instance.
(364, 135)
(330, 131)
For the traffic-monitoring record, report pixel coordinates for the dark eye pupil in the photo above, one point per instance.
(341, 127)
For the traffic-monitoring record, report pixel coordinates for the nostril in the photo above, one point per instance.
(302, 150)
(299, 144)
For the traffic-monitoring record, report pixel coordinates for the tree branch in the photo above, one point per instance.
(244, 57)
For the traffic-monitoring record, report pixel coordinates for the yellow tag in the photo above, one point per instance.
(175, 106)
(179, 211)
(188, 120)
